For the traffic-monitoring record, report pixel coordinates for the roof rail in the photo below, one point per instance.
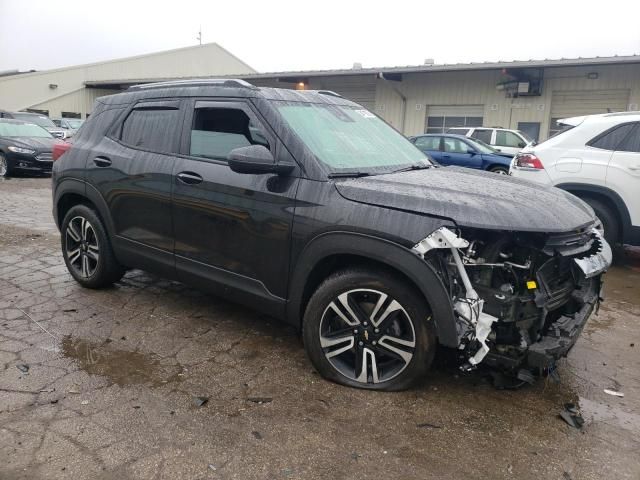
(329, 92)
(198, 82)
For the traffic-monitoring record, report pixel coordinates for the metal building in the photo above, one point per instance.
(71, 91)
(529, 95)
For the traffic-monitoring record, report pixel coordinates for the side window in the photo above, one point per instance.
(217, 131)
(154, 129)
(613, 137)
(482, 134)
(428, 143)
(632, 142)
(453, 145)
(508, 139)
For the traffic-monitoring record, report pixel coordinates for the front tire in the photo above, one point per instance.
(87, 250)
(369, 329)
(608, 218)
(499, 170)
(5, 167)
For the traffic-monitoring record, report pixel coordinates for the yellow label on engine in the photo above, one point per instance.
(532, 285)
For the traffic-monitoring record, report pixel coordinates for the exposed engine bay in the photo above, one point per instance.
(520, 299)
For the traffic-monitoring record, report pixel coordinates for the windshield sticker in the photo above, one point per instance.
(366, 113)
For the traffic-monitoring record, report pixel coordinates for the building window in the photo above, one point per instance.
(71, 115)
(440, 124)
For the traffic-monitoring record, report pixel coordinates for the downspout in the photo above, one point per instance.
(381, 76)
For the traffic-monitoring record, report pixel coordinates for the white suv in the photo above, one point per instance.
(597, 158)
(502, 139)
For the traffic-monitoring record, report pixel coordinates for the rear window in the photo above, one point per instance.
(152, 129)
(610, 139)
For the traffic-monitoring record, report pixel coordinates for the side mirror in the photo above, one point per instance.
(255, 159)
(471, 151)
(521, 144)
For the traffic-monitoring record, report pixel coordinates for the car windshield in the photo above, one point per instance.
(74, 123)
(41, 120)
(481, 146)
(22, 130)
(349, 139)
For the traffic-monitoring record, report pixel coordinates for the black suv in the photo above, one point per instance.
(309, 208)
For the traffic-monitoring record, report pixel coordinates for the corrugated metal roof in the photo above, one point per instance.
(445, 67)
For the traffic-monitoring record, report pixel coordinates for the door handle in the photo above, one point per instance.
(102, 162)
(189, 178)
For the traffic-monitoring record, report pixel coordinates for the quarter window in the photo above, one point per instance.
(611, 139)
(217, 131)
(153, 129)
(632, 141)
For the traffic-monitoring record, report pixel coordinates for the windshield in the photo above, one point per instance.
(350, 138)
(74, 123)
(22, 130)
(482, 147)
(41, 120)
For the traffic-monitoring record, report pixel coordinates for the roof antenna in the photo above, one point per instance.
(199, 37)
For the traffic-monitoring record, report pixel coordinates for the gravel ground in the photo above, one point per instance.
(113, 376)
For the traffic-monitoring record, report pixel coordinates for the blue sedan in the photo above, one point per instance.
(450, 149)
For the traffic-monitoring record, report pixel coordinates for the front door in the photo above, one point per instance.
(232, 230)
(132, 169)
(456, 151)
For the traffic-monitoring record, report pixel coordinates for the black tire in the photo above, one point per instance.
(500, 170)
(608, 218)
(5, 166)
(100, 272)
(364, 288)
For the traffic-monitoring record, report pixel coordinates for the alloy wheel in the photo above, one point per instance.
(367, 336)
(82, 248)
(3, 166)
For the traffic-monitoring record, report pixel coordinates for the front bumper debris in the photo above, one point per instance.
(600, 261)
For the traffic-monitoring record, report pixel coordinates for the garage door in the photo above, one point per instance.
(442, 117)
(585, 102)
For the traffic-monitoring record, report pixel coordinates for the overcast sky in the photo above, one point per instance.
(297, 35)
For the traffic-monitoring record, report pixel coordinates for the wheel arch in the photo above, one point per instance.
(333, 251)
(606, 195)
(71, 192)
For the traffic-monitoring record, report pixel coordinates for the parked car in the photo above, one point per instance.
(332, 221)
(71, 125)
(449, 149)
(24, 147)
(38, 119)
(597, 158)
(502, 139)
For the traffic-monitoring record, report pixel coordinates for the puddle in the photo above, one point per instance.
(121, 367)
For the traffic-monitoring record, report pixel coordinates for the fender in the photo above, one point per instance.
(384, 251)
(88, 191)
(611, 195)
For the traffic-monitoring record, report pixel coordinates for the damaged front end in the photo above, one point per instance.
(520, 299)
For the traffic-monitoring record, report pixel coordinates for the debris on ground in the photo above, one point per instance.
(200, 401)
(23, 367)
(615, 393)
(84, 402)
(260, 400)
(74, 389)
(355, 456)
(427, 425)
(70, 310)
(48, 390)
(571, 415)
(257, 435)
(212, 467)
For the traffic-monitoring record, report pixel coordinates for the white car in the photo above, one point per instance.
(502, 139)
(597, 158)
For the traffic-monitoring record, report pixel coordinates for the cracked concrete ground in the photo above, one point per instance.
(112, 375)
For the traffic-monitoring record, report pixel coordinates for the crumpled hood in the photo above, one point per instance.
(36, 143)
(472, 198)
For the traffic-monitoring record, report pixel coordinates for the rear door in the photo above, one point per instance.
(623, 172)
(132, 169)
(508, 142)
(232, 230)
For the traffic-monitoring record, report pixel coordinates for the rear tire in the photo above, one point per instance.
(86, 249)
(369, 329)
(608, 218)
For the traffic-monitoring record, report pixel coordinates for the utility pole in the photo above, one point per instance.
(199, 37)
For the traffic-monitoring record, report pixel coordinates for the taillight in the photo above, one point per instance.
(59, 149)
(528, 160)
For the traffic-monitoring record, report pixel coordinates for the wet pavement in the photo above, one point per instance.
(103, 384)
